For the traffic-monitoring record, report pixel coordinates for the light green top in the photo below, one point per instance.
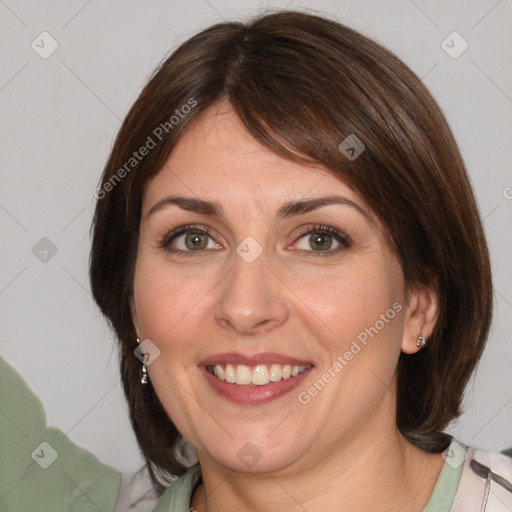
(446, 487)
(42, 470)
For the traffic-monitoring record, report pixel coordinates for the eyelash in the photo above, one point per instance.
(343, 239)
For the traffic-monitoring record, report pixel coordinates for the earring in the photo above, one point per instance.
(421, 342)
(144, 379)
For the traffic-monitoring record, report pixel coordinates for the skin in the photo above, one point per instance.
(291, 300)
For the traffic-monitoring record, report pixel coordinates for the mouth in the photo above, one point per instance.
(254, 379)
(258, 375)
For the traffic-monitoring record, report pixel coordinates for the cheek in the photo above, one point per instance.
(357, 302)
(357, 320)
(165, 299)
(168, 308)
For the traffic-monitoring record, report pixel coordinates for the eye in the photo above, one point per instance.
(187, 240)
(321, 239)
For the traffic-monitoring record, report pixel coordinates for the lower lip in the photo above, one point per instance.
(254, 395)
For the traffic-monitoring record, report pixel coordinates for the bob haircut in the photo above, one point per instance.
(301, 84)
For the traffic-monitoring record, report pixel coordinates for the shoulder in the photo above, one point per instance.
(485, 483)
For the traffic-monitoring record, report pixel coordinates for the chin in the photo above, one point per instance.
(251, 457)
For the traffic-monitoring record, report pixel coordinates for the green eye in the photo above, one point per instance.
(321, 239)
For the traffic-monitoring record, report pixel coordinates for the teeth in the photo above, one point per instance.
(276, 372)
(243, 374)
(230, 374)
(219, 371)
(259, 375)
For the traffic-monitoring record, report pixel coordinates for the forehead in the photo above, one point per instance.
(218, 159)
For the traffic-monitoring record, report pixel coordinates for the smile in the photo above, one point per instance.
(258, 375)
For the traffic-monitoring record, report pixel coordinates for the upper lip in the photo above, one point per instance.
(252, 359)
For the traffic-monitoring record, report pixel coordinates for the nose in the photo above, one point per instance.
(251, 298)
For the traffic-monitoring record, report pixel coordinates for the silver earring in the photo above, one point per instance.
(421, 342)
(144, 379)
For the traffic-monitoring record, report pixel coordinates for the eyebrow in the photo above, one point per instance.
(288, 209)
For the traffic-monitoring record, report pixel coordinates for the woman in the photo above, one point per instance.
(288, 248)
(300, 249)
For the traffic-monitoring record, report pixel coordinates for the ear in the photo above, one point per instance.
(420, 317)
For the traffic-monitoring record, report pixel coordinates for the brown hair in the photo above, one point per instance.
(301, 84)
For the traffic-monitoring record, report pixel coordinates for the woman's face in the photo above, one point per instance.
(274, 288)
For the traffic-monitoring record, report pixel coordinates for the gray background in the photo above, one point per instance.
(59, 116)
